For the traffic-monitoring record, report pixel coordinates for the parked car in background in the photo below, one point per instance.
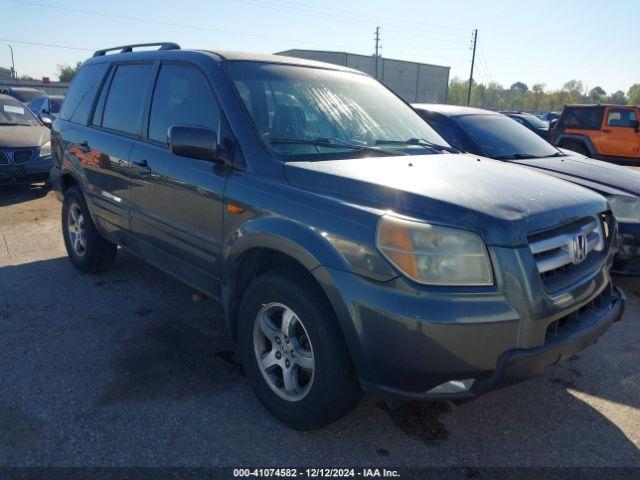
(349, 248)
(533, 123)
(46, 107)
(23, 94)
(550, 116)
(605, 132)
(493, 135)
(25, 147)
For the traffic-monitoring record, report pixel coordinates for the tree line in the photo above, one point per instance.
(537, 98)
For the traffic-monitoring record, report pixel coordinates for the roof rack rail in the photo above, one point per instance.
(129, 48)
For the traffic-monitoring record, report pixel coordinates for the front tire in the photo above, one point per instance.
(87, 250)
(294, 353)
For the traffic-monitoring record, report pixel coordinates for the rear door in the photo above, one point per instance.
(619, 136)
(117, 124)
(177, 201)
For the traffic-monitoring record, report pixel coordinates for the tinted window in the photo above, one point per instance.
(620, 117)
(79, 99)
(182, 97)
(123, 109)
(498, 136)
(583, 118)
(449, 130)
(36, 104)
(55, 103)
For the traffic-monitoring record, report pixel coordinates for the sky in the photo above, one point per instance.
(550, 42)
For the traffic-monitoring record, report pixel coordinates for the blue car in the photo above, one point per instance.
(497, 136)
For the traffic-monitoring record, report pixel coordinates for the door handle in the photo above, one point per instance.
(142, 167)
(606, 130)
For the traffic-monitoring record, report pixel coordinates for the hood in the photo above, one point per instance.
(603, 177)
(17, 137)
(501, 202)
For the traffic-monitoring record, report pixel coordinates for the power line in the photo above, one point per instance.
(47, 45)
(171, 24)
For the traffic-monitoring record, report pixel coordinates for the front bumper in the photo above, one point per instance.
(36, 170)
(627, 261)
(406, 340)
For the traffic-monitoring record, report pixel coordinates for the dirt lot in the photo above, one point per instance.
(124, 368)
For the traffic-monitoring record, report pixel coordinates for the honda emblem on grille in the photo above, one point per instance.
(578, 248)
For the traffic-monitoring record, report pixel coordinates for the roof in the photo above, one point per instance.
(25, 89)
(451, 109)
(277, 58)
(285, 52)
(220, 55)
(592, 105)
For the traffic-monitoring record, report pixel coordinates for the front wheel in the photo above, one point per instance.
(294, 353)
(87, 250)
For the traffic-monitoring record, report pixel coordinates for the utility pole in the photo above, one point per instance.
(377, 50)
(13, 65)
(473, 61)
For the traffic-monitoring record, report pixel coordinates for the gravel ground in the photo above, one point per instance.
(126, 369)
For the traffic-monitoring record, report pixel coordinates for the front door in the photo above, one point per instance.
(619, 133)
(177, 201)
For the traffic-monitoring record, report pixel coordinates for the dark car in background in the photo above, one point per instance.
(25, 147)
(23, 94)
(350, 250)
(493, 135)
(529, 120)
(46, 107)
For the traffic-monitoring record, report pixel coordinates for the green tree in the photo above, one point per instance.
(66, 72)
(633, 95)
(597, 95)
(617, 98)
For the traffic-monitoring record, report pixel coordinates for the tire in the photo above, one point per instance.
(578, 148)
(94, 253)
(331, 389)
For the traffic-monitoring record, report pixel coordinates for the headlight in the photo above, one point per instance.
(625, 209)
(434, 255)
(45, 150)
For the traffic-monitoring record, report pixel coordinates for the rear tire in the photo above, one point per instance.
(322, 385)
(87, 250)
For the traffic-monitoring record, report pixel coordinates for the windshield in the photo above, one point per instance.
(498, 136)
(25, 96)
(55, 103)
(535, 121)
(303, 113)
(13, 112)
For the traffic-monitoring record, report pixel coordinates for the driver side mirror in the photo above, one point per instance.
(46, 121)
(194, 142)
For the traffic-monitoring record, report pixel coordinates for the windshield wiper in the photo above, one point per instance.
(334, 143)
(516, 156)
(420, 142)
(557, 154)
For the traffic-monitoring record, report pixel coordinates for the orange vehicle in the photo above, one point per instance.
(605, 132)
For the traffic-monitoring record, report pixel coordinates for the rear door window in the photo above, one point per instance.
(182, 97)
(79, 100)
(125, 100)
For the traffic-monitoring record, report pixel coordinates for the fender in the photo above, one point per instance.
(577, 138)
(282, 235)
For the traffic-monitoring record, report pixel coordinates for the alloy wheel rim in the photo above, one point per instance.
(76, 230)
(283, 351)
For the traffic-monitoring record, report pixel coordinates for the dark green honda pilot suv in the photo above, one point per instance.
(352, 248)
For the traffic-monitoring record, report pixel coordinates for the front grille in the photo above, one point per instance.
(565, 325)
(566, 254)
(22, 156)
(4, 158)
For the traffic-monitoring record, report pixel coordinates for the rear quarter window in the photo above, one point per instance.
(79, 100)
(582, 118)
